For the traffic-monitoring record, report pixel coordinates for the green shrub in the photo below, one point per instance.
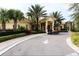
(64, 30)
(39, 31)
(5, 38)
(21, 28)
(34, 32)
(75, 30)
(10, 32)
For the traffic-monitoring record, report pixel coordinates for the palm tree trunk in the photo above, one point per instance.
(3, 26)
(15, 25)
(37, 24)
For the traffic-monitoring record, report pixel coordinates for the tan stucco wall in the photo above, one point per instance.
(9, 25)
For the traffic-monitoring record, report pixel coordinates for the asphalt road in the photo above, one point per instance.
(45, 45)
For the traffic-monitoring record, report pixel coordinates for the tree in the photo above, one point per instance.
(36, 11)
(74, 7)
(15, 15)
(3, 18)
(75, 15)
(31, 17)
(58, 17)
(32, 20)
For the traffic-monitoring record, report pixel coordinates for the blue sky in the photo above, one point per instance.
(24, 4)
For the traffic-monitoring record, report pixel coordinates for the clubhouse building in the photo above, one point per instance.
(45, 24)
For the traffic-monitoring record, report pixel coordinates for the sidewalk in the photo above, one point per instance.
(4, 46)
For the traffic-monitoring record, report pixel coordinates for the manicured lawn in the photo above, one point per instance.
(75, 38)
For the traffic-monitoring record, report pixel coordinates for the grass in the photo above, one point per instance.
(75, 38)
(8, 37)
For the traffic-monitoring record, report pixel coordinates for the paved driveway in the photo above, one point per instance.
(45, 45)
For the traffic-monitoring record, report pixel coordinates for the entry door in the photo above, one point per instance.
(50, 27)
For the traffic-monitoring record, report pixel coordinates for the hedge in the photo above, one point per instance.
(8, 37)
(64, 30)
(10, 33)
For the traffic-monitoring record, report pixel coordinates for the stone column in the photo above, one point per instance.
(46, 24)
(40, 26)
(53, 25)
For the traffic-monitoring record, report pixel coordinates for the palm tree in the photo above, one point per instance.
(58, 17)
(74, 7)
(75, 15)
(32, 20)
(31, 17)
(3, 18)
(36, 11)
(15, 15)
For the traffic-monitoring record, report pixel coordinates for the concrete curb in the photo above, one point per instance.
(11, 46)
(70, 44)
